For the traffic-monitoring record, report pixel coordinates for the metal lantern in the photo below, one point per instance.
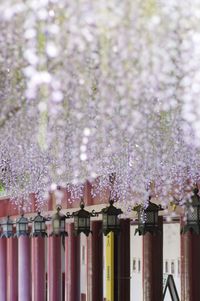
(110, 218)
(22, 226)
(7, 228)
(82, 220)
(193, 214)
(58, 223)
(148, 218)
(39, 227)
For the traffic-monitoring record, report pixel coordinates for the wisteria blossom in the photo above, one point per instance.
(94, 88)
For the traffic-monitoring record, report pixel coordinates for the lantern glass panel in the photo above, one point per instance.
(156, 217)
(22, 227)
(105, 220)
(43, 227)
(76, 222)
(82, 222)
(150, 217)
(192, 215)
(88, 222)
(37, 226)
(62, 225)
(10, 227)
(111, 220)
(56, 225)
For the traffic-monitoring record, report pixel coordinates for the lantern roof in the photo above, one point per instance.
(22, 219)
(111, 209)
(7, 221)
(152, 207)
(58, 215)
(82, 212)
(39, 218)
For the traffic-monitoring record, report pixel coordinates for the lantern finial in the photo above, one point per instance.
(111, 202)
(58, 208)
(82, 204)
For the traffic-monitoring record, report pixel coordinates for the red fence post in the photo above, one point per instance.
(54, 268)
(38, 269)
(24, 268)
(72, 265)
(3, 277)
(12, 269)
(190, 267)
(153, 265)
(95, 263)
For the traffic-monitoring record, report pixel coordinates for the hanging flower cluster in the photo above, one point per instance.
(92, 88)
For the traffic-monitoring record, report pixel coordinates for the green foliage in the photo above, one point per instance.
(2, 189)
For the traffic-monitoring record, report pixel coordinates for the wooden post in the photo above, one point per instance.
(24, 269)
(95, 263)
(72, 265)
(12, 269)
(190, 267)
(153, 265)
(54, 268)
(38, 269)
